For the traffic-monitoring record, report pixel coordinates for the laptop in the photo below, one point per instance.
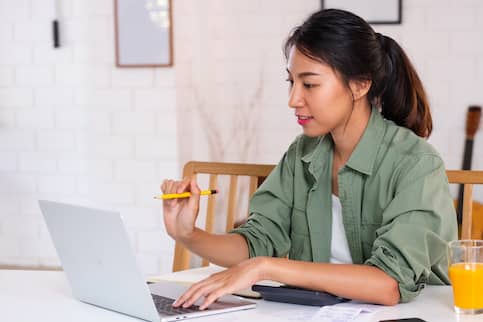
(96, 255)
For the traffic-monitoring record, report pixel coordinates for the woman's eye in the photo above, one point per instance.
(290, 81)
(309, 86)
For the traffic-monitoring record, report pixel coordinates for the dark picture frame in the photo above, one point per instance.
(376, 12)
(143, 33)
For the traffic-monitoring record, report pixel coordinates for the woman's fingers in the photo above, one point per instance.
(200, 292)
(194, 200)
(182, 185)
(186, 295)
(173, 186)
(196, 291)
(164, 185)
(169, 186)
(194, 288)
(237, 277)
(212, 297)
(168, 183)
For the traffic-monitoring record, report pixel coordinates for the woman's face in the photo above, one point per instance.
(321, 100)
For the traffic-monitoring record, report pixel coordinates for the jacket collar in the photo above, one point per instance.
(364, 155)
(317, 152)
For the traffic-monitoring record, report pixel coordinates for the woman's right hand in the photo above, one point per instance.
(180, 214)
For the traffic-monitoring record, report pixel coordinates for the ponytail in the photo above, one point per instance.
(403, 99)
(348, 44)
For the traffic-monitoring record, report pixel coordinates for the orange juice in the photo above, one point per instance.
(467, 281)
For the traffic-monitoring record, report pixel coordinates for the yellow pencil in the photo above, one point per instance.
(167, 196)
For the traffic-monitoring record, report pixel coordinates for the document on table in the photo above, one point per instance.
(345, 312)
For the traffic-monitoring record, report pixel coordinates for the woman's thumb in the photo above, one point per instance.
(195, 194)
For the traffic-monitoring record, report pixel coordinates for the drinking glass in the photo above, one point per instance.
(466, 275)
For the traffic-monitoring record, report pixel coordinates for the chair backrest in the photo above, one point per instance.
(472, 223)
(256, 174)
(472, 226)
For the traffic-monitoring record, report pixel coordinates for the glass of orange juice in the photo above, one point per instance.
(466, 275)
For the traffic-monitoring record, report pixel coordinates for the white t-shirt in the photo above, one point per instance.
(339, 248)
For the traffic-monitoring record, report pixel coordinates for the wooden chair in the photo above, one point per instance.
(256, 173)
(472, 226)
(472, 223)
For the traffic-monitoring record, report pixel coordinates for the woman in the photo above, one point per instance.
(360, 201)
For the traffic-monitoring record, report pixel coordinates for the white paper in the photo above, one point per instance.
(365, 307)
(344, 312)
(295, 313)
(336, 314)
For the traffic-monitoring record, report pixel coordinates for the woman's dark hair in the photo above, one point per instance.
(351, 47)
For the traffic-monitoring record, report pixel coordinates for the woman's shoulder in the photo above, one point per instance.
(402, 154)
(405, 143)
(404, 159)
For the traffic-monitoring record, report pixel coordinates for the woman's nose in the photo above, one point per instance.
(295, 98)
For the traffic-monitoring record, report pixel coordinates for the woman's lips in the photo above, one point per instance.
(302, 120)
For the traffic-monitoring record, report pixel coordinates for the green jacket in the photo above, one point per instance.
(397, 210)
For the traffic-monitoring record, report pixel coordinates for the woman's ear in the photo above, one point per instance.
(359, 88)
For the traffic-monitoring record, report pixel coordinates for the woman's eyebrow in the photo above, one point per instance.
(304, 74)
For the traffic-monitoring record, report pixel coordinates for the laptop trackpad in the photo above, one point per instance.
(174, 290)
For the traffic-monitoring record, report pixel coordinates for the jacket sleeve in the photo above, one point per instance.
(411, 244)
(267, 230)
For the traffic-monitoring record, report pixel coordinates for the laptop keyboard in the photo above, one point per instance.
(164, 305)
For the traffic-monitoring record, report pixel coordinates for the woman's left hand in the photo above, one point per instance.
(238, 277)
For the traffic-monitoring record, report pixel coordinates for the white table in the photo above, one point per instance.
(27, 296)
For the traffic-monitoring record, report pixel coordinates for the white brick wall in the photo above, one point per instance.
(36, 162)
(11, 97)
(6, 74)
(16, 54)
(104, 99)
(55, 97)
(134, 122)
(31, 118)
(232, 43)
(16, 140)
(34, 76)
(132, 78)
(75, 128)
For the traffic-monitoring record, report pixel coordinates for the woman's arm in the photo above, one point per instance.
(225, 250)
(359, 282)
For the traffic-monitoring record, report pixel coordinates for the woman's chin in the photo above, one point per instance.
(313, 134)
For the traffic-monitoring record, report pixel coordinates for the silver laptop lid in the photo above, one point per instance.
(97, 258)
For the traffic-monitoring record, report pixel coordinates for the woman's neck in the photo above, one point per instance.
(349, 134)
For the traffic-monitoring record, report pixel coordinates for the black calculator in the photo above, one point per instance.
(295, 295)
